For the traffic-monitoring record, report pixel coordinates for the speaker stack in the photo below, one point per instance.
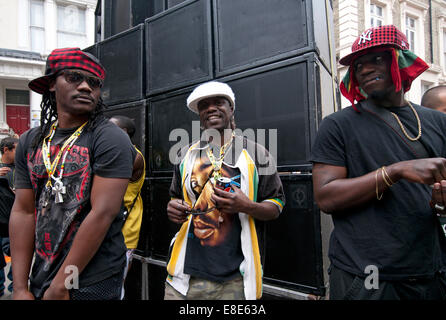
(276, 55)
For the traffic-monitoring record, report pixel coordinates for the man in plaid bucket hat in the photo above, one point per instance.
(379, 169)
(71, 175)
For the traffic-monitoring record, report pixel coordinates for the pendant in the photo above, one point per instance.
(45, 197)
(58, 190)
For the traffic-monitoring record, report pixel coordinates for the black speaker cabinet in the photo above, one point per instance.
(162, 229)
(294, 245)
(122, 57)
(93, 50)
(137, 112)
(169, 116)
(156, 281)
(250, 33)
(134, 284)
(285, 101)
(121, 15)
(178, 47)
(172, 3)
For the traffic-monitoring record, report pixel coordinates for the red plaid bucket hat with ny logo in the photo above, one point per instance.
(377, 36)
(66, 58)
(404, 68)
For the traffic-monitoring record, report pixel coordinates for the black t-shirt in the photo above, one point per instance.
(6, 198)
(10, 175)
(105, 151)
(399, 234)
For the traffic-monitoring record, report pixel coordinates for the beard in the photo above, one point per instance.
(381, 94)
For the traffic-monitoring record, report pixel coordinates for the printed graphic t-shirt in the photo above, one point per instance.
(213, 249)
(105, 151)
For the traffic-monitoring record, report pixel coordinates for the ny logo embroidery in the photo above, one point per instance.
(365, 36)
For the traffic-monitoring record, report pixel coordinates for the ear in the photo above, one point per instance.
(52, 85)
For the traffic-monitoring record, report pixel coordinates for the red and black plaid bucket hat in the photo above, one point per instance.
(66, 58)
(387, 35)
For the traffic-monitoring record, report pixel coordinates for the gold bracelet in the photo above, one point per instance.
(376, 186)
(387, 175)
(384, 178)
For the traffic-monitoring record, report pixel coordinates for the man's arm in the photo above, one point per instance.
(138, 167)
(106, 200)
(334, 192)
(21, 234)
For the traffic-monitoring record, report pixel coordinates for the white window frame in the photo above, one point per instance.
(375, 18)
(411, 31)
(418, 11)
(60, 31)
(35, 27)
(442, 47)
(386, 6)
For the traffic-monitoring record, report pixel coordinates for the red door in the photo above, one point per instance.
(18, 118)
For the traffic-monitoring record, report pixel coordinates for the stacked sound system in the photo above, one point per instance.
(278, 57)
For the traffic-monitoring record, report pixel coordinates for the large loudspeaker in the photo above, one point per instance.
(162, 229)
(168, 113)
(137, 112)
(121, 15)
(122, 57)
(172, 3)
(253, 32)
(178, 47)
(290, 97)
(93, 50)
(295, 252)
(287, 98)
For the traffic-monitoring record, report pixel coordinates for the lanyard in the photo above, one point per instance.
(46, 153)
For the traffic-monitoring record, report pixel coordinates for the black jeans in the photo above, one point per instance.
(347, 286)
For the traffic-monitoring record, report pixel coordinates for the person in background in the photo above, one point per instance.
(435, 98)
(7, 150)
(132, 198)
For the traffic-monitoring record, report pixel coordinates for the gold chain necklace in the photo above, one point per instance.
(404, 129)
(216, 163)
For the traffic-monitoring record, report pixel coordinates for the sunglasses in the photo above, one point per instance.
(76, 77)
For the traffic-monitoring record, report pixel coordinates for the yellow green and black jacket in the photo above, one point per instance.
(259, 181)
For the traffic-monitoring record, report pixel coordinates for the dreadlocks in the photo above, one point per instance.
(48, 115)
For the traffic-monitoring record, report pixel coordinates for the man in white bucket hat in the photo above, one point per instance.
(217, 191)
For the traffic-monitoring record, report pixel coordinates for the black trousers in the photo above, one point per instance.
(347, 286)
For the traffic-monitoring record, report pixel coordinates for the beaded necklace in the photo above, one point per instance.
(58, 189)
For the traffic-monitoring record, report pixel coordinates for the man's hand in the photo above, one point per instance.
(426, 171)
(176, 211)
(438, 199)
(231, 202)
(22, 295)
(4, 171)
(56, 292)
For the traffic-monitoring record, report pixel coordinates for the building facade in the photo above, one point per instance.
(31, 29)
(423, 22)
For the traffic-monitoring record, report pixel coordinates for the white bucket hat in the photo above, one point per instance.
(207, 90)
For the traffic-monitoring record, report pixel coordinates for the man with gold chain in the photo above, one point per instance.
(220, 185)
(379, 170)
(71, 176)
